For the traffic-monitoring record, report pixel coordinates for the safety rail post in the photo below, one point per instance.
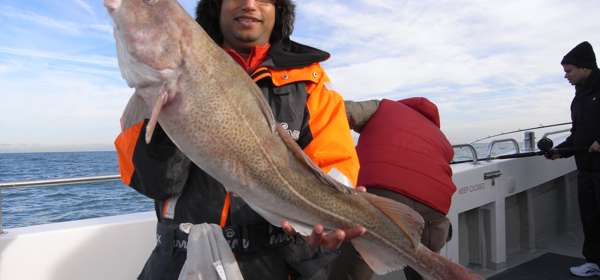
(529, 141)
(491, 146)
(471, 148)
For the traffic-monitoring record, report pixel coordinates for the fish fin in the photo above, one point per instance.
(135, 112)
(380, 258)
(433, 265)
(160, 102)
(166, 94)
(277, 220)
(301, 228)
(408, 220)
(298, 153)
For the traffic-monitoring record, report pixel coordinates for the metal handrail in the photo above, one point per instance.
(489, 156)
(53, 182)
(60, 182)
(471, 148)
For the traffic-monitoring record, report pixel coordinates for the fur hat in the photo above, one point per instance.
(581, 56)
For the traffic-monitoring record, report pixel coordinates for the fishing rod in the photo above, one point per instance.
(545, 145)
(521, 130)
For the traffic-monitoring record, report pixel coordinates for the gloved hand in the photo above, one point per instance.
(359, 112)
(594, 148)
(552, 154)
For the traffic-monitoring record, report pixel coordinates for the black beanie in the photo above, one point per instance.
(581, 56)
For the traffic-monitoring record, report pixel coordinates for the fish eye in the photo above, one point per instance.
(150, 2)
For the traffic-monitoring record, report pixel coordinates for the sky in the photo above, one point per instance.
(489, 66)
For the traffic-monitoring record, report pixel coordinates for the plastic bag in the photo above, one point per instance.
(208, 255)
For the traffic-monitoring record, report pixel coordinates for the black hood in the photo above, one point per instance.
(581, 56)
(289, 54)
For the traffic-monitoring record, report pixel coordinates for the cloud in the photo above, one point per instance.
(49, 22)
(97, 60)
(61, 108)
(85, 6)
(488, 66)
(102, 28)
(40, 20)
(4, 68)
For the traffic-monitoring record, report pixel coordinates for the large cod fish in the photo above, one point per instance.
(217, 117)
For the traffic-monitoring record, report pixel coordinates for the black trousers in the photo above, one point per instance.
(588, 194)
(296, 260)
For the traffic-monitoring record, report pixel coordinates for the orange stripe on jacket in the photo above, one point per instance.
(225, 210)
(125, 145)
(332, 145)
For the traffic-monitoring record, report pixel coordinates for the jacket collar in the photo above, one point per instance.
(255, 58)
(287, 54)
(590, 84)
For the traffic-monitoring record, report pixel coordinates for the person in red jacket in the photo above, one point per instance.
(404, 156)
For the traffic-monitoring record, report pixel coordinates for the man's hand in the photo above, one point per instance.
(330, 240)
(595, 147)
(552, 154)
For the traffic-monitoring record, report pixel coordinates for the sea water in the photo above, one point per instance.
(41, 205)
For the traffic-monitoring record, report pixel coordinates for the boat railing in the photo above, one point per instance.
(506, 140)
(475, 159)
(470, 148)
(52, 182)
(528, 144)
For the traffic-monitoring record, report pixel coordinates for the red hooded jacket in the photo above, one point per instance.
(402, 149)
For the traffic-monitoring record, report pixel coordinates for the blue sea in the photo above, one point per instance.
(41, 205)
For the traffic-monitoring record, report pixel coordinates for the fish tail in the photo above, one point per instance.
(439, 267)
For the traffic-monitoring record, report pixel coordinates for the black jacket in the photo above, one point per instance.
(585, 114)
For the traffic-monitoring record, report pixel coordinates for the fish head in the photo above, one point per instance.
(148, 39)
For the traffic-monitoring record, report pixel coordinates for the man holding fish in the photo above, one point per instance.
(256, 35)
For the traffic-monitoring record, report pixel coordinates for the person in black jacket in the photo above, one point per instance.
(584, 143)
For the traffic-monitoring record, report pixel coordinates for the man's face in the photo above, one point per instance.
(574, 74)
(246, 23)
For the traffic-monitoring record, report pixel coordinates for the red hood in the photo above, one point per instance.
(402, 149)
